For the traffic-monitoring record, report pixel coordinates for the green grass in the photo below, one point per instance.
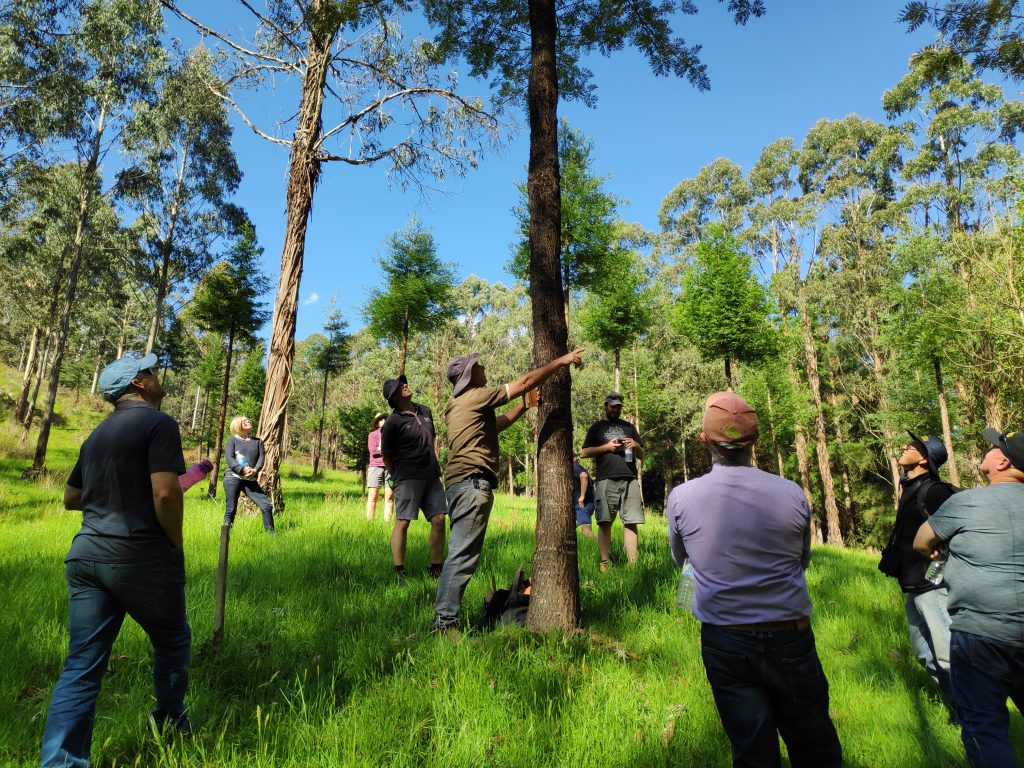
(327, 662)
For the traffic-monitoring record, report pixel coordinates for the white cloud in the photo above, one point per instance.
(313, 298)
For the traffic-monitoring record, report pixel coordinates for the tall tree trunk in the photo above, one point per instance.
(195, 408)
(618, 370)
(40, 374)
(728, 373)
(166, 250)
(803, 462)
(404, 350)
(204, 439)
(835, 535)
(125, 324)
(212, 490)
(947, 430)
(555, 602)
(98, 367)
(775, 437)
(21, 404)
(303, 174)
(74, 267)
(565, 284)
(686, 466)
(320, 428)
(636, 425)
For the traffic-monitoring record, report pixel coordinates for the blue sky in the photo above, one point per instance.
(775, 77)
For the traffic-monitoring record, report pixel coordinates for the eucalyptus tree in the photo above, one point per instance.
(717, 197)
(382, 100)
(989, 32)
(850, 166)
(416, 295)
(180, 173)
(329, 357)
(108, 59)
(226, 302)
(491, 37)
(588, 218)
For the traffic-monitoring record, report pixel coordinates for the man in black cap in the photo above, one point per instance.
(407, 444)
(984, 529)
(922, 492)
(126, 559)
(472, 470)
(615, 446)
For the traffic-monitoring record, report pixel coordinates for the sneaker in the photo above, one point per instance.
(604, 566)
(400, 575)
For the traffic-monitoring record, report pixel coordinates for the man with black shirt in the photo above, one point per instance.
(615, 446)
(582, 497)
(922, 492)
(407, 445)
(126, 559)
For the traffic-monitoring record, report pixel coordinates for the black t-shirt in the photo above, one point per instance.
(119, 522)
(407, 439)
(611, 466)
(588, 497)
(909, 517)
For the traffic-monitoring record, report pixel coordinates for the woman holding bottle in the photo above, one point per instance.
(244, 458)
(376, 474)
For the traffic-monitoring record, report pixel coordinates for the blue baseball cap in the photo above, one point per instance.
(117, 377)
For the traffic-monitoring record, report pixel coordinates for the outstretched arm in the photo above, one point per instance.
(538, 376)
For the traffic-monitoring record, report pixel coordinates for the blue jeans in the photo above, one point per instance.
(928, 622)
(233, 488)
(584, 513)
(985, 672)
(768, 684)
(152, 593)
(469, 509)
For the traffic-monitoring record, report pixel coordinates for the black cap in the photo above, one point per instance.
(614, 398)
(392, 386)
(1010, 443)
(933, 449)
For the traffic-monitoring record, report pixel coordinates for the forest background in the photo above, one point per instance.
(856, 281)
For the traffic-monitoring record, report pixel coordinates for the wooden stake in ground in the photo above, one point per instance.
(222, 587)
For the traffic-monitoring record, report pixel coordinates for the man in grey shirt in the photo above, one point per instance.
(985, 572)
(747, 536)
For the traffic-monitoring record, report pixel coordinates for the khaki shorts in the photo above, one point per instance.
(618, 497)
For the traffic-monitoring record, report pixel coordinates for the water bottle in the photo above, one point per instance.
(628, 454)
(194, 474)
(684, 593)
(242, 463)
(934, 572)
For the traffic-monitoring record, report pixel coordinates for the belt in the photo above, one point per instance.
(769, 626)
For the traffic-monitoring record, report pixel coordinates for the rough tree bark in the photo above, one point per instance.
(555, 602)
(303, 173)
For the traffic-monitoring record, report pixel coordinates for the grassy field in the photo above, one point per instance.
(328, 662)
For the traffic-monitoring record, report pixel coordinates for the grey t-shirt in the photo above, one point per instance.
(985, 571)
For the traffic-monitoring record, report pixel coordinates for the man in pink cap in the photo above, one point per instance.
(747, 535)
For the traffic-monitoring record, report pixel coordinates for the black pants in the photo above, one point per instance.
(233, 487)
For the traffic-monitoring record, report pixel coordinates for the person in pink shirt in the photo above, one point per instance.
(376, 474)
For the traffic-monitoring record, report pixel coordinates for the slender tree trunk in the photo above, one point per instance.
(947, 430)
(303, 174)
(636, 425)
(511, 478)
(64, 326)
(555, 602)
(565, 284)
(204, 442)
(686, 467)
(21, 404)
(40, 374)
(125, 324)
(404, 350)
(320, 428)
(98, 367)
(835, 535)
(618, 370)
(166, 250)
(195, 408)
(728, 373)
(212, 490)
(775, 437)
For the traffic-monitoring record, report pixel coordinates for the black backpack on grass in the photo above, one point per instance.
(508, 606)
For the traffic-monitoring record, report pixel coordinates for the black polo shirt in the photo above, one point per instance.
(119, 522)
(407, 439)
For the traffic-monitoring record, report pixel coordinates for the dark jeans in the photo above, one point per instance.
(152, 593)
(469, 509)
(766, 685)
(233, 488)
(985, 672)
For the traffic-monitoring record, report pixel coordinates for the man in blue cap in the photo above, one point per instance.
(922, 492)
(983, 529)
(126, 559)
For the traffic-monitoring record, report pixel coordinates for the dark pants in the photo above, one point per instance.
(233, 488)
(152, 593)
(766, 685)
(985, 672)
